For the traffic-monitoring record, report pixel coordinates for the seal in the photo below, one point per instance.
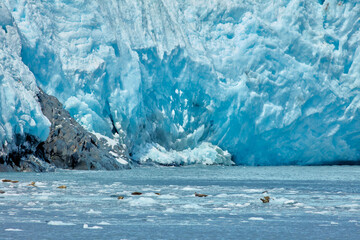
(200, 195)
(136, 193)
(266, 199)
(62, 187)
(32, 184)
(120, 197)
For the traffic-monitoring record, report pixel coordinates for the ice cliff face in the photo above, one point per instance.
(182, 81)
(20, 112)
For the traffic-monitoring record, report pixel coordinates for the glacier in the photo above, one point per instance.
(20, 112)
(184, 81)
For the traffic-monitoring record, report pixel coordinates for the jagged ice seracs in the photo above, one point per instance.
(184, 81)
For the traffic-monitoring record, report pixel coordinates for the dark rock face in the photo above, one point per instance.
(24, 154)
(70, 146)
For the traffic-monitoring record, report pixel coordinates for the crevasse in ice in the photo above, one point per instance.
(270, 82)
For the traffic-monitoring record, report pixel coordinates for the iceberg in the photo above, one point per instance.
(178, 81)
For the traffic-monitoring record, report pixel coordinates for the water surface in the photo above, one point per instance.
(305, 203)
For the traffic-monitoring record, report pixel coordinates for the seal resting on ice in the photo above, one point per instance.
(200, 195)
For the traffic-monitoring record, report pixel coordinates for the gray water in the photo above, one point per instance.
(305, 203)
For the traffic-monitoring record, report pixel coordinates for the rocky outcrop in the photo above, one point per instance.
(68, 146)
(24, 154)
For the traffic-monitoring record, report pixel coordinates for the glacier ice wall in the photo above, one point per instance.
(271, 82)
(20, 112)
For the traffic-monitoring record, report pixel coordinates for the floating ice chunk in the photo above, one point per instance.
(291, 202)
(283, 200)
(91, 211)
(104, 223)
(169, 210)
(256, 219)
(222, 195)
(253, 190)
(35, 221)
(86, 226)
(60, 223)
(242, 205)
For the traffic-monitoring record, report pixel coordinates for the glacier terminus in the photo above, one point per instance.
(178, 82)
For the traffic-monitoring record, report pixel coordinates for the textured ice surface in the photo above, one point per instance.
(320, 201)
(205, 153)
(271, 82)
(20, 113)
